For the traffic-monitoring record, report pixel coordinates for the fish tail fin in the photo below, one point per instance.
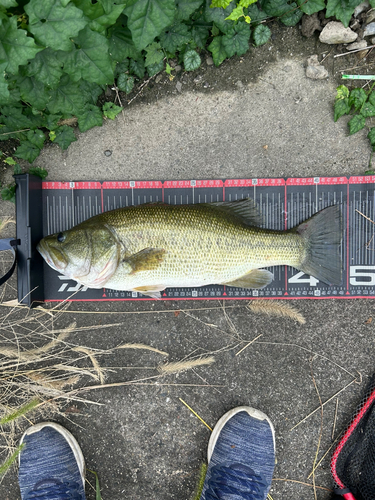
(323, 234)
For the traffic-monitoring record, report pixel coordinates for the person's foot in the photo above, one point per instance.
(51, 464)
(241, 456)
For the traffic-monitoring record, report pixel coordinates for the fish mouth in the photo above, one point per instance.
(52, 256)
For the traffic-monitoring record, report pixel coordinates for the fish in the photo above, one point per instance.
(154, 246)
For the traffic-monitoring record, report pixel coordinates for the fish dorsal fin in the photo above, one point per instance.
(245, 210)
(258, 278)
(147, 259)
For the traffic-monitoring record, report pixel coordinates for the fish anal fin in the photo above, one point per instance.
(152, 291)
(258, 278)
(147, 259)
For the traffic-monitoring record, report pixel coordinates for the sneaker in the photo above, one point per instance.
(241, 456)
(353, 461)
(51, 464)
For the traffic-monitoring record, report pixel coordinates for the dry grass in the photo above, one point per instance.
(276, 308)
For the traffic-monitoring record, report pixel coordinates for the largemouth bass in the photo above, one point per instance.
(150, 247)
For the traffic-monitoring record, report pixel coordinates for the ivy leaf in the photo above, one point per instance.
(15, 47)
(153, 69)
(121, 44)
(67, 98)
(147, 19)
(256, 14)
(293, 15)
(110, 110)
(342, 9)
(9, 193)
(217, 49)
(219, 16)
(200, 35)
(101, 18)
(368, 110)
(17, 169)
(33, 92)
(235, 14)
(4, 91)
(175, 37)
(90, 91)
(51, 122)
(357, 123)
(53, 24)
(45, 67)
(64, 136)
(275, 8)
(357, 97)
(36, 137)
(14, 119)
(371, 137)
(27, 151)
(236, 40)
(154, 54)
(311, 6)
(8, 3)
(39, 172)
(121, 67)
(90, 60)
(125, 83)
(342, 107)
(261, 34)
(185, 8)
(192, 61)
(221, 4)
(91, 117)
(371, 98)
(342, 92)
(137, 67)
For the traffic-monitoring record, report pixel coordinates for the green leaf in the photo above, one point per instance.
(342, 9)
(36, 137)
(91, 117)
(7, 4)
(357, 97)
(90, 91)
(9, 160)
(357, 123)
(125, 83)
(261, 34)
(110, 110)
(311, 6)
(342, 92)
(67, 98)
(14, 119)
(200, 35)
(46, 67)
(101, 18)
(4, 91)
(137, 67)
(175, 37)
(341, 108)
(27, 151)
(185, 8)
(33, 92)
(147, 19)
(90, 60)
(53, 24)
(64, 136)
(218, 16)
(236, 40)
(154, 54)
(217, 49)
(52, 135)
(122, 67)
(236, 13)
(15, 47)
(256, 14)
(368, 110)
(293, 15)
(192, 61)
(371, 98)
(38, 172)
(371, 136)
(121, 44)
(51, 122)
(17, 169)
(223, 4)
(9, 194)
(153, 69)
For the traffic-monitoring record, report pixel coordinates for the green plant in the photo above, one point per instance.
(361, 105)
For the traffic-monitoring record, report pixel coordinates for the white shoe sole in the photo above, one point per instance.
(259, 415)
(70, 439)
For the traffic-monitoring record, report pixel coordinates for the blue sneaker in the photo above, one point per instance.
(241, 456)
(51, 464)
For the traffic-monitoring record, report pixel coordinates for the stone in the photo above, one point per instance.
(314, 70)
(335, 32)
(209, 61)
(357, 45)
(159, 78)
(310, 24)
(369, 30)
(360, 8)
(179, 86)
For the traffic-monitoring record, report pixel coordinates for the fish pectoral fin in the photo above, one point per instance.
(152, 291)
(258, 278)
(147, 259)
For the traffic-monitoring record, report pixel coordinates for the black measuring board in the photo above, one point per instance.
(284, 203)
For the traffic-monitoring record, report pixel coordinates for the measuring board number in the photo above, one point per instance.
(362, 275)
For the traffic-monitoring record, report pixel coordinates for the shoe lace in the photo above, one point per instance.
(235, 481)
(51, 489)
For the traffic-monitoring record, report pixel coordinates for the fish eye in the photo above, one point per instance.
(61, 237)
